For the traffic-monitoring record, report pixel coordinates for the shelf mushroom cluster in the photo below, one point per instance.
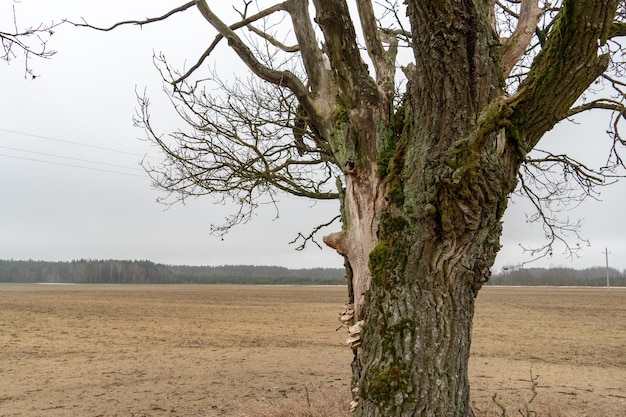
(354, 329)
(354, 340)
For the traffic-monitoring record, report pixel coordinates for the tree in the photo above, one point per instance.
(29, 41)
(421, 119)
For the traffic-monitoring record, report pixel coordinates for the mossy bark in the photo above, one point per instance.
(426, 188)
(433, 256)
(439, 231)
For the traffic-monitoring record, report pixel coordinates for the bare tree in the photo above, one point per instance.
(31, 41)
(421, 117)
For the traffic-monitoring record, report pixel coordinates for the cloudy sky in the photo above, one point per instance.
(70, 175)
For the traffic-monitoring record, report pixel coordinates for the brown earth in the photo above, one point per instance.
(157, 351)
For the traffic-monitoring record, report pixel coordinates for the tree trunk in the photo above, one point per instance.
(418, 341)
(427, 185)
(431, 260)
(437, 231)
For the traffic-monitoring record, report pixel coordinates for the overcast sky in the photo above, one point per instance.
(71, 182)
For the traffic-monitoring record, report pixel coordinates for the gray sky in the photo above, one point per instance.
(81, 109)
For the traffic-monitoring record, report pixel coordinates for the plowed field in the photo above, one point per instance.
(80, 350)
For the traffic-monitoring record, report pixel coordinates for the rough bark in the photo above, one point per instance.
(453, 167)
(439, 234)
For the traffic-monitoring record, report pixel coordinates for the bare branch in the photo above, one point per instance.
(555, 230)
(615, 159)
(138, 22)
(355, 82)
(32, 41)
(315, 63)
(393, 8)
(515, 46)
(218, 38)
(240, 147)
(273, 41)
(554, 183)
(311, 236)
(384, 64)
(397, 33)
(279, 78)
(317, 67)
(601, 104)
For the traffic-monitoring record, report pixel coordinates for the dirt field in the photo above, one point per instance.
(228, 350)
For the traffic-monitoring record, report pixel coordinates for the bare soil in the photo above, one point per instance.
(573, 341)
(98, 350)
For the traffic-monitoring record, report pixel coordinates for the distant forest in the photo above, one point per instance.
(87, 271)
(594, 277)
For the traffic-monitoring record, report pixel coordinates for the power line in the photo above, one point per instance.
(73, 166)
(71, 142)
(70, 158)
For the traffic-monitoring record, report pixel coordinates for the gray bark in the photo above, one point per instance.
(447, 187)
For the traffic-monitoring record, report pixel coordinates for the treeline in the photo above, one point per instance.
(87, 271)
(254, 274)
(84, 271)
(559, 277)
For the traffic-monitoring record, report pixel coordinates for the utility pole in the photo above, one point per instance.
(606, 254)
